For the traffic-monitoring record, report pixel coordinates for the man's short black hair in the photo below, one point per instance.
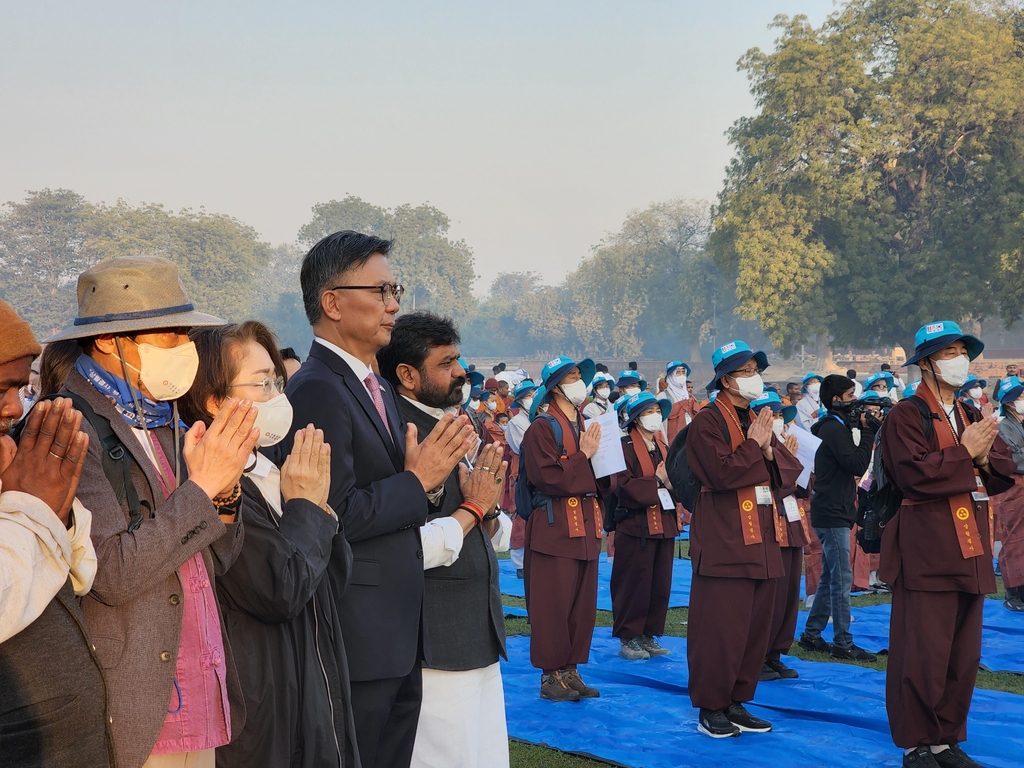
(886, 367)
(632, 365)
(501, 366)
(851, 374)
(329, 259)
(288, 353)
(832, 387)
(414, 335)
(472, 367)
(601, 367)
(791, 384)
(496, 369)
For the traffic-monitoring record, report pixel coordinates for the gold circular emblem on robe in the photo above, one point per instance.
(963, 513)
(748, 505)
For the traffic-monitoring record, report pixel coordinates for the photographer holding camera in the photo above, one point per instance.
(847, 435)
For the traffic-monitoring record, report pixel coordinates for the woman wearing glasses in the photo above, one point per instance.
(277, 600)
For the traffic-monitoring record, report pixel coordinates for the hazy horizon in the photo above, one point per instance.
(536, 128)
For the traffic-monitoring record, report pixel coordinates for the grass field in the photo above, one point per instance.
(523, 755)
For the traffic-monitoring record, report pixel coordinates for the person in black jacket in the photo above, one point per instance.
(277, 600)
(841, 459)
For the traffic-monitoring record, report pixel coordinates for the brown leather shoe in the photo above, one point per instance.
(573, 680)
(554, 688)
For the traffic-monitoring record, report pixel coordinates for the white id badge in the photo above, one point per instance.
(666, 499)
(979, 496)
(792, 509)
(763, 494)
(689, 418)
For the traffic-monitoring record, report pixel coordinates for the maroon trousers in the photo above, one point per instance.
(641, 585)
(1011, 521)
(727, 638)
(787, 604)
(561, 600)
(934, 652)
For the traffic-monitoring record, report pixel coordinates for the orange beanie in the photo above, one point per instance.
(16, 337)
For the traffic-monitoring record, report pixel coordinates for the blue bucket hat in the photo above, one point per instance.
(628, 378)
(973, 381)
(552, 374)
(788, 414)
(932, 337)
(910, 389)
(868, 395)
(1010, 389)
(890, 382)
(475, 378)
(484, 395)
(731, 357)
(475, 393)
(640, 402)
(769, 399)
(619, 403)
(676, 364)
(525, 387)
(810, 376)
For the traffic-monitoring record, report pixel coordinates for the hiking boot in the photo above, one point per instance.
(519, 573)
(573, 680)
(1015, 604)
(816, 644)
(631, 650)
(921, 757)
(745, 721)
(714, 723)
(768, 674)
(954, 757)
(853, 653)
(786, 673)
(652, 646)
(554, 688)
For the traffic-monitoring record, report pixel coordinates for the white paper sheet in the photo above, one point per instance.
(609, 458)
(806, 446)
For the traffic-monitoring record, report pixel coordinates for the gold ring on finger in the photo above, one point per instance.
(59, 458)
(486, 469)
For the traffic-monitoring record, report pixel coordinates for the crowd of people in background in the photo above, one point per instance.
(214, 553)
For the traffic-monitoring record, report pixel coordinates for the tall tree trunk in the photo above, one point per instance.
(825, 363)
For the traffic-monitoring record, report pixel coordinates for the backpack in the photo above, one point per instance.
(685, 485)
(117, 461)
(527, 497)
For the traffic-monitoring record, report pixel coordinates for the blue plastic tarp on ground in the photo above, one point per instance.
(1002, 637)
(834, 715)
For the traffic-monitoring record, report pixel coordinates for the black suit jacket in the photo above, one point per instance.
(464, 613)
(381, 507)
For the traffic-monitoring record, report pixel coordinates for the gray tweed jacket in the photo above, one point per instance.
(134, 611)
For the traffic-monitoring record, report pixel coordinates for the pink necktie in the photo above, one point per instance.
(374, 387)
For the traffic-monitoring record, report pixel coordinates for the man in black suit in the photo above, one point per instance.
(381, 478)
(462, 721)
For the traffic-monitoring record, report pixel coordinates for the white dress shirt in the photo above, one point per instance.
(359, 368)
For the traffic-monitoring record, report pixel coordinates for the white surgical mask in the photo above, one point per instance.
(503, 427)
(602, 393)
(953, 372)
(1018, 405)
(975, 393)
(273, 420)
(466, 389)
(167, 373)
(651, 421)
(751, 387)
(474, 403)
(813, 389)
(492, 404)
(777, 426)
(526, 403)
(575, 393)
(630, 391)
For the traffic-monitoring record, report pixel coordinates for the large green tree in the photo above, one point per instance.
(881, 180)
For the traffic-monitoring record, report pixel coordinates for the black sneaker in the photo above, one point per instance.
(853, 653)
(815, 644)
(954, 757)
(714, 723)
(554, 688)
(1014, 604)
(745, 721)
(786, 673)
(768, 674)
(920, 758)
(519, 573)
(573, 680)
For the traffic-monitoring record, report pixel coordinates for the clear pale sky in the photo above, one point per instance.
(536, 126)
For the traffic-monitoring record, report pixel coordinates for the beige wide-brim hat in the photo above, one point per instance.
(132, 295)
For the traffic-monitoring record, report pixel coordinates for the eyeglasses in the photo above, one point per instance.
(744, 373)
(388, 291)
(269, 385)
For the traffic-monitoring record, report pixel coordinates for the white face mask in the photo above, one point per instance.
(630, 391)
(813, 389)
(575, 393)
(1018, 405)
(602, 393)
(167, 373)
(273, 420)
(750, 388)
(526, 403)
(474, 404)
(492, 404)
(975, 393)
(953, 372)
(466, 389)
(777, 426)
(651, 421)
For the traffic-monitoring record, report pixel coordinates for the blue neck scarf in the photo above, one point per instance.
(119, 392)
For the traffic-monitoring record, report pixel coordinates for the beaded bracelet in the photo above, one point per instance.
(228, 501)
